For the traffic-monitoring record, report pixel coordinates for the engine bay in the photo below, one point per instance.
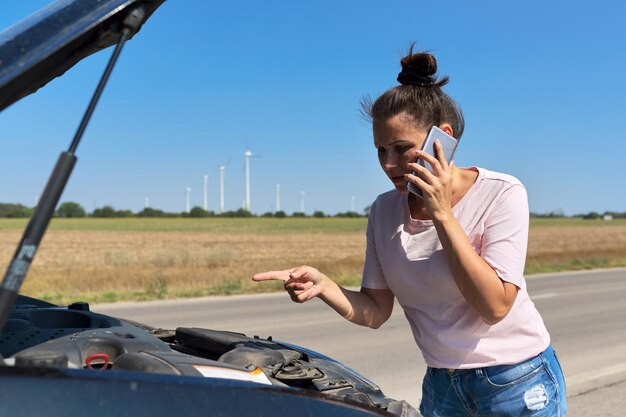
(39, 334)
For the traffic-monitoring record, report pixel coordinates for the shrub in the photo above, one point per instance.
(238, 213)
(106, 211)
(18, 212)
(198, 212)
(71, 209)
(348, 214)
(150, 212)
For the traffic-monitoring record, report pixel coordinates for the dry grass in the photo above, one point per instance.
(96, 265)
(107, 266)
(566, 245)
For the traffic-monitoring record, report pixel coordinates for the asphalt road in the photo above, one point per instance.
(584, 311)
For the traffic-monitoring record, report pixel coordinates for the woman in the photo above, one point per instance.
(454, 259)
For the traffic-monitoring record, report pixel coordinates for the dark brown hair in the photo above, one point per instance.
(419, 95)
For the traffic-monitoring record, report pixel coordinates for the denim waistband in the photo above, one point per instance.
(453, 372)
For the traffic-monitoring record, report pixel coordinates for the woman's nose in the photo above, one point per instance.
(389, 161)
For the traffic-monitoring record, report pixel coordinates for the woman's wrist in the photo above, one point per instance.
(442, 216)
(326, 287)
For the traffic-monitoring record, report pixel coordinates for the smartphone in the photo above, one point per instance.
(449, 145)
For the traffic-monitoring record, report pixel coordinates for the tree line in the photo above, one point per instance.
(592, 215)
(75, 210)
(72, 209)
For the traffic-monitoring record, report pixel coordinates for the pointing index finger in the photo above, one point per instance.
(272, 275)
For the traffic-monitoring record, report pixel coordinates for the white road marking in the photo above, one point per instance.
(598, 374)
(578, 272)
(542, 296)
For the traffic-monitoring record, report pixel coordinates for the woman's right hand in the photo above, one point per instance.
(367, 307)
(302, 283)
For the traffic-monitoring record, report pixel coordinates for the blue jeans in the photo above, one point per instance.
(534, 387)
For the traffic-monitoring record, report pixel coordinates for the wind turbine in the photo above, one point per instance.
(302, 201)
(206, 192)
(222, 169)
(277, 197)
(222, 172)
(146, 202)
(352, 204)
(248, 154)
(187, 195)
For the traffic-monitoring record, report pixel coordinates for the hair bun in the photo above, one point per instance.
(419, 69)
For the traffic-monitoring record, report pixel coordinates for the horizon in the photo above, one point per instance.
(229, 213)
(541, 87)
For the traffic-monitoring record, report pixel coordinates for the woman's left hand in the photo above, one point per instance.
(436, 186)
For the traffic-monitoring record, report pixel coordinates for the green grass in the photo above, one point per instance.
(159, 291)
(250, 225)
(221, 225)
(564, 222)
(574, 265)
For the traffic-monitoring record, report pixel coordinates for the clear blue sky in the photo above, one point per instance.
(542, 85)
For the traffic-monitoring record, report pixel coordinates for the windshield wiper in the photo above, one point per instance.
(23, 257)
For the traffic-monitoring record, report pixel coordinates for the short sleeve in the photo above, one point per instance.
(505, 237)
(373, 276)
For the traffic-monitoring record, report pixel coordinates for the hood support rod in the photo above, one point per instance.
(23, 257)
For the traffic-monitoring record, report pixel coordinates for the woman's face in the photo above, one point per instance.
(396, 140)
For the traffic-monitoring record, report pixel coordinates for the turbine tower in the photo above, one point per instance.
(206, 192)
(222, 169)
(248, 154)
(352, 204)
(302, 201)
(146, 202)
(187, 201)
(277, 197)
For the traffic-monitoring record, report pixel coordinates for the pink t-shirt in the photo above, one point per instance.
(405, 256)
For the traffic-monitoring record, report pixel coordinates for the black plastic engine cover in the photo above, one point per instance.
(236, 348)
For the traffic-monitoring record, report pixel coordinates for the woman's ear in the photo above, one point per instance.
(446, 127)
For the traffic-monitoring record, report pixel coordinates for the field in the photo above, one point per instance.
(102, 260)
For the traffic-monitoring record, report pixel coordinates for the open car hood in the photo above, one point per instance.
(99, 359)
(49, 42)
(111, 366)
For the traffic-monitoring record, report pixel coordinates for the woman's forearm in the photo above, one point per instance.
(367, 307)
(477, 281)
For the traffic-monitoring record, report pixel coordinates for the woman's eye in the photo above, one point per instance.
(381, 150)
